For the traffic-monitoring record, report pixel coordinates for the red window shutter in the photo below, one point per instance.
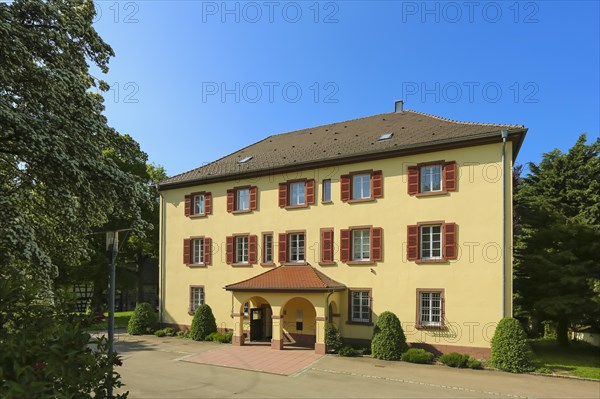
(326, 245)
(449, 172)
(376, 244)
(188, 205)
(252, 249)
(282, 247)
(207, 251)
(413, 180)
(377, 184)
(230, 200)
(345, 245)
(229, 249)
(412, 248)
(345, 185)
(253, 197)
(450, 230)
(207, 203)
(283, 194)
(187, 251)
(310, 191)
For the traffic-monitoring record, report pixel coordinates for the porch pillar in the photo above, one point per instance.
(238, 329)
(277, 337)
(320, 323)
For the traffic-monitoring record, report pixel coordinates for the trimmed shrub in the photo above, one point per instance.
(203, 323)
(348, 351)
(416, 355)
(160, 333)
(510, 349)
(388, 341)
(227, 337)
(454, 359)
(213, 337)
(474, 364)
(143, 321)
(333, 338)
(169, 332)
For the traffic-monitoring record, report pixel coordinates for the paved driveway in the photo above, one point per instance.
(153, 368)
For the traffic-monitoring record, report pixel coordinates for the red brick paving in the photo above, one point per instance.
(258, 357)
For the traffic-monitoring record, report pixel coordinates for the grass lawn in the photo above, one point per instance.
(580, 359)
(121, 320)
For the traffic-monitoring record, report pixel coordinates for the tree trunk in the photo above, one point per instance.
(562, 332)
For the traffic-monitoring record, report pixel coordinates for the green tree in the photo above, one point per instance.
(59, 179)
(557, 247)
(45, 351)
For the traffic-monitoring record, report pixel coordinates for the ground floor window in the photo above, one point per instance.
(360, 306)
(196, 297)
(430, 312)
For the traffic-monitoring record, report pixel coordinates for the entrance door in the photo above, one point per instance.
(256, 324)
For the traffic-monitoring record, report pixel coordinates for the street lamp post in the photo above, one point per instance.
(112, 246)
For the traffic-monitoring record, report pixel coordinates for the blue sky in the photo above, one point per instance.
(195, 80)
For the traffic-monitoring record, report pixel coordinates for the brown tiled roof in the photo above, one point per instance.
(346, 142)
(288, 278)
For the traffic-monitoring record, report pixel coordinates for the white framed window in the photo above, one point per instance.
(198, 204)
(297, 191)
(361, 244)
(196, 297)
(268, 248)
(243, 199)
(431, 178)
(197, 250)
(360, 306)
(326, 190)
(431, 242)
(241, 249)
(296, 246)
(361, 186)
(431, 309)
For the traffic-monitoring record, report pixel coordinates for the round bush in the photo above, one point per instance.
(203, 323)
(454, 359)
(416, 355)
(348, 351)
(510, 350)
(160, 333)
(474, 364)
(333, 338)
(143, 321)
(388, 341)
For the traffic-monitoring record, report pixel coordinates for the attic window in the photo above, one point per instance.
(244, 160)
(385, 136)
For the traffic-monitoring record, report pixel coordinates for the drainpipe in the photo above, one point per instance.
(327, 305)
(504, 134)
(162, 258)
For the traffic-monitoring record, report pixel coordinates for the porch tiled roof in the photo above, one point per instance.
(288, 278)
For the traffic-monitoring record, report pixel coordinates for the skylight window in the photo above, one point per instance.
(385, 136)
(244, 160)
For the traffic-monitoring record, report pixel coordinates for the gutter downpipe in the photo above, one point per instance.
(504, 134)
(162, 256)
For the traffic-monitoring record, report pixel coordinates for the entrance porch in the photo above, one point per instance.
(290, 305)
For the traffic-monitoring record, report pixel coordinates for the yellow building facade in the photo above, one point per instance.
(278, 249)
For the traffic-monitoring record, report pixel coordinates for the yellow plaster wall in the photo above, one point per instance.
(472, 284)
